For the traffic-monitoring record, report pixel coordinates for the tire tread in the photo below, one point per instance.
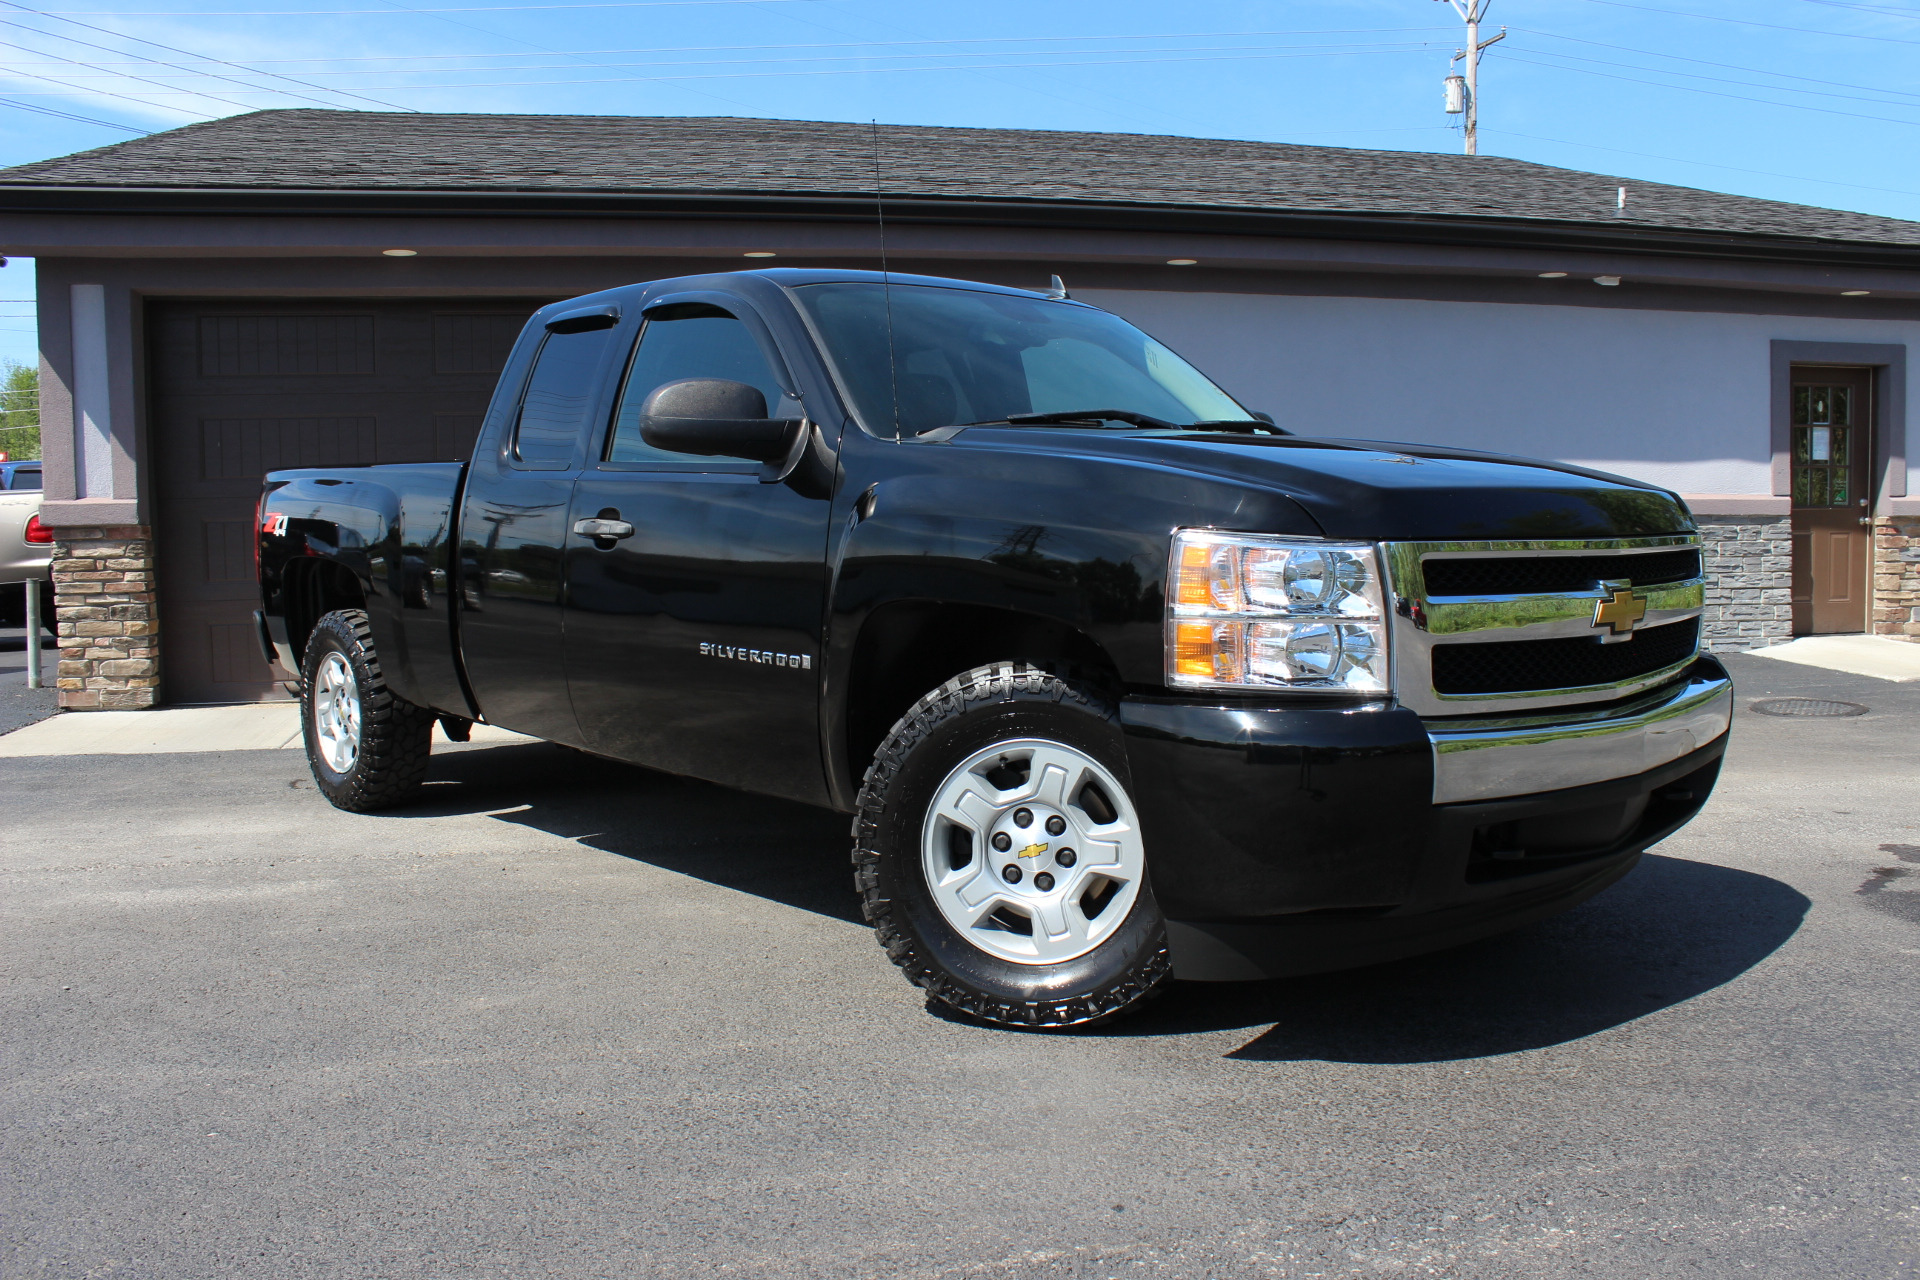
(998, 682)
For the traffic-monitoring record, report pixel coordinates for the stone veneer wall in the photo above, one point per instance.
(1749, 566)
(103, 582)
(1896, 576)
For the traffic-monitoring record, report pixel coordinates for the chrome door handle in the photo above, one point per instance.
(597, 528)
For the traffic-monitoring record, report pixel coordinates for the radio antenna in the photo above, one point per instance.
(886, 282)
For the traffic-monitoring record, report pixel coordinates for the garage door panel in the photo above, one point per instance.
(248, 448)
(311, 345)
(238, 389)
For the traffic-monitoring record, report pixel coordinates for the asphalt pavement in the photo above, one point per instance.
(19, 705)
(568, 1019)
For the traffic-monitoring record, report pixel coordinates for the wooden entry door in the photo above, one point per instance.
(1832, 436)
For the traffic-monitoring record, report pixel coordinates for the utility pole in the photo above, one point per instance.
(1471, 12)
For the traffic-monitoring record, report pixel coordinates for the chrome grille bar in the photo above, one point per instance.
(1424, 621)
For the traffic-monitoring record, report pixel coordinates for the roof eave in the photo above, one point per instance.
(1621, 236)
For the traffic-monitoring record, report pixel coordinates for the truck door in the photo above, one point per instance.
(514, 533)
(693, 644)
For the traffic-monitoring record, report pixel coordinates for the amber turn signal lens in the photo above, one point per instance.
(1206, 650)
(1193, 587)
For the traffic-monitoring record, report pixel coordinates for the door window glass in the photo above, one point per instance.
(25, 479)
(693, 340)
(1822, 425)
(559, 398)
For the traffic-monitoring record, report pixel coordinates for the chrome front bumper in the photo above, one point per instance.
(1485, 759)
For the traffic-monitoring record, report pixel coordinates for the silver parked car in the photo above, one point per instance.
(26, 546)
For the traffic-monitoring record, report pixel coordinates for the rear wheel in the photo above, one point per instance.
(367, 747)
(999, 856)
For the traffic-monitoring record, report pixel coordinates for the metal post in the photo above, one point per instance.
(32, 588)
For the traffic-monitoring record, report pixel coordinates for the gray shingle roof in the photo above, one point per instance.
(315, 150)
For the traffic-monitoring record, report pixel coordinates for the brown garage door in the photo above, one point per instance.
(240, 389)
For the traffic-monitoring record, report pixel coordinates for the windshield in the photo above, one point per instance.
(963, 356)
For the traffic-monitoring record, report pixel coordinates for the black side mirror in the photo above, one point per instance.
(715, 418)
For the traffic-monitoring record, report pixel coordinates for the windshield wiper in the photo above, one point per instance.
(1249, 426)
(1082, 415)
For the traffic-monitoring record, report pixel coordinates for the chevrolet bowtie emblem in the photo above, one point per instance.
(1622, 613)
(1031, 851)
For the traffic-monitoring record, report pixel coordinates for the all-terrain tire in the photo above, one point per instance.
(974, 711)
(394, 736)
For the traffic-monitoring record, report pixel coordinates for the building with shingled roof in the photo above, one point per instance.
(310, 287)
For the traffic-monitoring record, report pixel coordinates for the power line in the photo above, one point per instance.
(1687, 88)
(762, 62)
(1888, 10)
(858, 71)
(544, 49)
(189, 53)
(1694, 75)
(68, 115)
(86, 91)
(858, 44)
(1749, 22)
(1704, 62)
(332, 13)
(120, 75)
(1765, 173)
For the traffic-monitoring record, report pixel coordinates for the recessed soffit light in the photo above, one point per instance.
(400, 253)
(1553, 275)
(760, 253)
(1183, 262)
(1855, 293)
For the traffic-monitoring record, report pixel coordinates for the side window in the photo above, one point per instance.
(559, 396)
(693, 340)
(25, 479)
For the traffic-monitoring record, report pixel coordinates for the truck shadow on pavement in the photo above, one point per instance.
(775, 849)
(1672, 930)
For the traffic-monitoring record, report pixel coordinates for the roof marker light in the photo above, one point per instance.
(1608, 281)
(1183, 262)
(399, 253)
(1553, 275)
(1855, 293)
(760, 253)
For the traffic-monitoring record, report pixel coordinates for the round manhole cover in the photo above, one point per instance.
(1807, 707)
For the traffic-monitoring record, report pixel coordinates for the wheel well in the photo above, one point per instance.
(906, 649)
(315, 588)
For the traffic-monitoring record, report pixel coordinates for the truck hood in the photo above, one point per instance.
(1379, 490)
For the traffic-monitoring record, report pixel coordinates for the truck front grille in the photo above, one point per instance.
(1521, 575)
(1527, 626)
(1528, 666)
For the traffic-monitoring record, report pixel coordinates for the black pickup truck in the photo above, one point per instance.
(1119, 681)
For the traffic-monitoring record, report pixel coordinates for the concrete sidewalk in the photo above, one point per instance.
(1876, 656)
(265, 726)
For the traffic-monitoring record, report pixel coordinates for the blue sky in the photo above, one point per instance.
(1811, 101)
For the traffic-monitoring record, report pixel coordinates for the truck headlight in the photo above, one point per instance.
(1251, 611)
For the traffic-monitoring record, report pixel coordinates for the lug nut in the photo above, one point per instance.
(1012, 872)
(1056, 825)
(1065, 858)
(1043, 882)
(1023, 817)
(1002, 841)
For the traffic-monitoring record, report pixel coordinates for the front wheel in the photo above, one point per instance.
(367, 747)
(999, 857)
